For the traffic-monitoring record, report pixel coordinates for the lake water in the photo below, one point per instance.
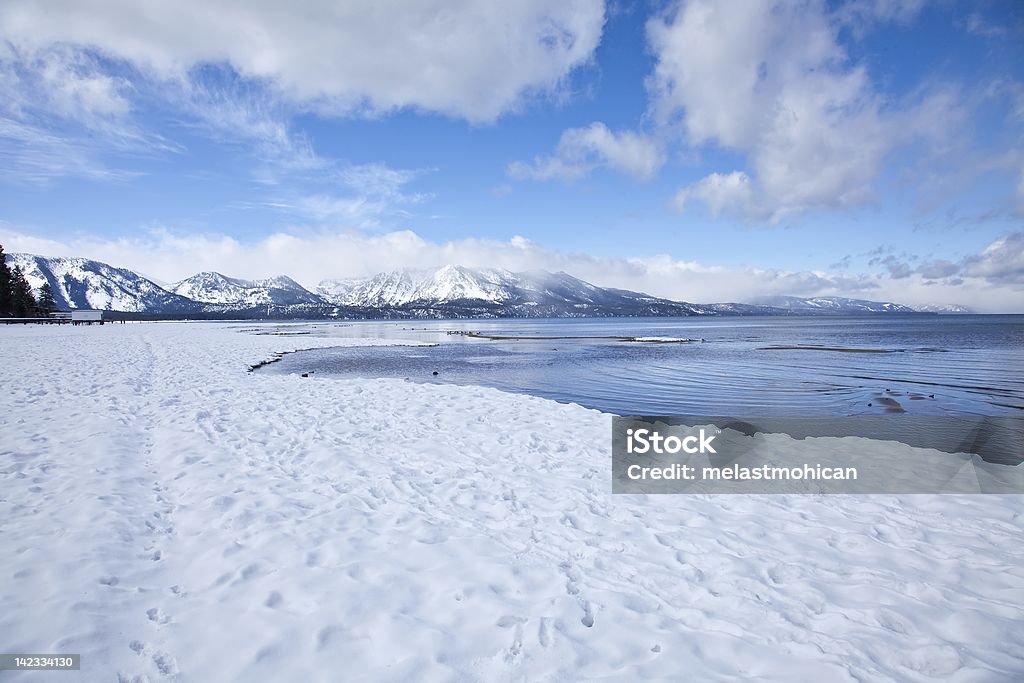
(923, 365)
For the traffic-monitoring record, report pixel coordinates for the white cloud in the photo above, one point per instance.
(231, 112)
(475, 59)
(359, 211)
(978, 25)
(78, 89)
(770, 80)
(580, 150)
(720, 192)
(31, 155)
(64, 82)
(61, 115)
(378, 195)
(362, 196)
(380, 180)
(1002, 261)
(989, 282)
(861, 12)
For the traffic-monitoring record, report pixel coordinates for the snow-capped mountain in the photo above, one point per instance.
(81, 283)
(443, 285)
(214, 288)
(832, 305)
(446, 292)
(460, 292)
(946, 309)
(337, 289)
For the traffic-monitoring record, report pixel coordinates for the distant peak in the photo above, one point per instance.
(281, 280)
(206, 275)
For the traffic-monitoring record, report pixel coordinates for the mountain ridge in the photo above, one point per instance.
(211, 287)
(449, 291)
(83, 283)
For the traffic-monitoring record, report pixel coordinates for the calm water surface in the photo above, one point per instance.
(925, 365)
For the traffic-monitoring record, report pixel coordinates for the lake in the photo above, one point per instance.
(796, 366)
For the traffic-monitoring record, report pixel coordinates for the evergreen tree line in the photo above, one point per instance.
(17, 300)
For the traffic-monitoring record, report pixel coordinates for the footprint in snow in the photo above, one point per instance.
(588, 617)
(157, 616)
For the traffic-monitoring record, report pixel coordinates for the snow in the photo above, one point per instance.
(81, 283)
(214, 288)
(444, 284)
(170, 516)
(449, 284)
(943, 308)
(336, 290)
(665, 340)
(834, 304)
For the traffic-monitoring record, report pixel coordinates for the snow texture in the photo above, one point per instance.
(170, 516)
(81, 283)
(214, 288)
(451, 284)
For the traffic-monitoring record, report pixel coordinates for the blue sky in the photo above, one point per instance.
(699, 150)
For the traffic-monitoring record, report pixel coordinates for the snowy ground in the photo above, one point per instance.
(171, 516)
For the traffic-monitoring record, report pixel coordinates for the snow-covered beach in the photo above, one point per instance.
(169, 515)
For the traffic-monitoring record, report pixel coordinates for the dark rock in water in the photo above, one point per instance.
(435, 373)
(305, 374)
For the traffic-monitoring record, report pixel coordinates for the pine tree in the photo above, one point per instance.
(23, 301)
(45, 303)
(5, 285)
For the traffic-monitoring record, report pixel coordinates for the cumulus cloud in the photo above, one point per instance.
(475, 59)
(771, 81)
(991, 281)
(580, 150)
(1000, 262)
(719, 192)
(65, 82)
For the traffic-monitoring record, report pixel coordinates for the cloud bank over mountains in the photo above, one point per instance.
(990, 281)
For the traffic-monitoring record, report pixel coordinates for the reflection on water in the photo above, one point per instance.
(930, 365)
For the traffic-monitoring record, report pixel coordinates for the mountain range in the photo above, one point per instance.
(445, 292)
